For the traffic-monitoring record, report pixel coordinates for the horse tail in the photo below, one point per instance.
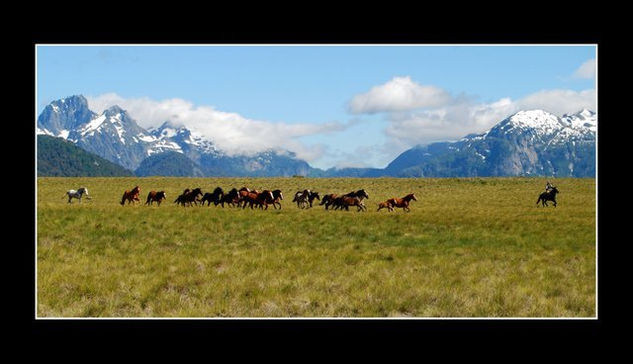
(123, 199)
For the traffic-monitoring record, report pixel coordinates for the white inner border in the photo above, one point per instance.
(318, 45)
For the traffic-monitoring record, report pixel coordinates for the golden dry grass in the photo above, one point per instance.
(470, 247)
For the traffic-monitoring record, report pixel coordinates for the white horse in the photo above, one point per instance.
(77, 194)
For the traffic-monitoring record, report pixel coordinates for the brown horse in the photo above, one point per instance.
(347, 201)
(403, 203)
(385, 205)
(328, 200)
(131, 196)
(260, 199)
(154, 196)
(242, 193)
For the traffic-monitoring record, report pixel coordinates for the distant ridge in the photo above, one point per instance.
(57, 157)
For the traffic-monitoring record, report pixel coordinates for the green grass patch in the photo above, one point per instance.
(470, 247)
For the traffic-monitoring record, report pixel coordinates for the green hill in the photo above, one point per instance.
(57, 157)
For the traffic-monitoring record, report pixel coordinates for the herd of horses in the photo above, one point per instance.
(262, 199)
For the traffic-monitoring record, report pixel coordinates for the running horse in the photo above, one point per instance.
(215, 197)
(402, 203)
(550, 195)
(77, 194)
(154, 196)
(386, 205)
(328, 200)
(189, 197)
(270, 197)
(242, 194)
(258, 198)
(347, 201)
(344, 200)
(277, 196)
(131, 196)
(231, 198)
(305, 197)
(301, 198)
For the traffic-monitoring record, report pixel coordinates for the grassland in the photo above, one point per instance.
(470, 247)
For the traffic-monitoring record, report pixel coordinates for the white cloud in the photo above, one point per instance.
(457, 120)
(399, 94)
(559, 102)
(587, 70)
(230, 132)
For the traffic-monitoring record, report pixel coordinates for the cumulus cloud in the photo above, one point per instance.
(457, 120)
(398, 94)
(559, 102)
(230, 132)
(587, 70)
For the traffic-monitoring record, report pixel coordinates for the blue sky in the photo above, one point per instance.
(302, 94)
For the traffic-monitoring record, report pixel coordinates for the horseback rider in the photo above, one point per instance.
(548, 187)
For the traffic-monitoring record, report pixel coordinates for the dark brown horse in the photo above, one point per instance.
(131, 196)
(347, 201)
(154, 196)
(403, 203)
(328, 200)
(339, 203)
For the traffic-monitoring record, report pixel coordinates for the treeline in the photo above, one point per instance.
(57, 157)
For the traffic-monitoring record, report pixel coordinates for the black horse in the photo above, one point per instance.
(230, 198)
(550, 195)
(305, 197)
(313, 195)
(214, 197)
(277, 196)
(189, 197)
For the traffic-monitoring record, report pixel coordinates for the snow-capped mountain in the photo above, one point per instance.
(531, 142)
(61, 116)
(117, 137)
